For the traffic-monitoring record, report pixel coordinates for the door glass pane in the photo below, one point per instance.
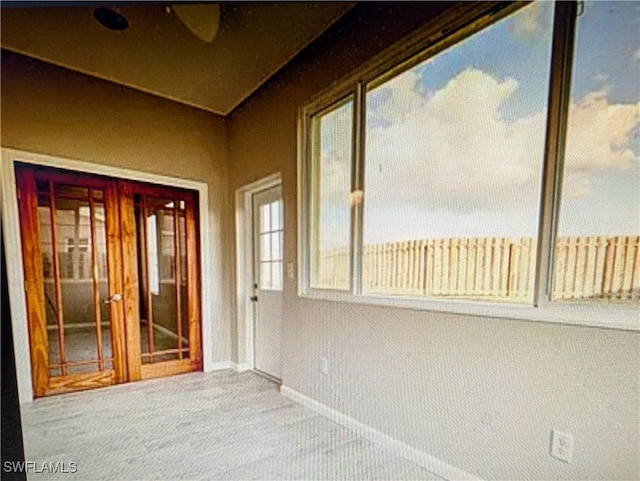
(152, 252)
(103, 281)
(184, 341)
(276, 215)
(269, 238)
(265, 247)
(46, 243)
(265, 218)
(74, 286)
(276, 275)
(164, 323)
(276, 246)
(265, 275)
(164, 304)
(62, 190)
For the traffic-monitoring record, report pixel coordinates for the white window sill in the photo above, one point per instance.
(622, 316)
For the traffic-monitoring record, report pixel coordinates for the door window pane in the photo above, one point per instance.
(276, 215)
(153, 255)
(597, 256)
(164, 320)
(265, 247)
(265, 218)
(74, 294)
(184, 297)
(265, 275)
(454, 151)
(330, 219)
(276, 275)
(276, 246)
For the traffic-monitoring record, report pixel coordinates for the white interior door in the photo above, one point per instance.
(268, 233)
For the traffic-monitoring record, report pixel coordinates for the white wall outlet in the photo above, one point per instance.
(324, 366)
(290, 270)
(561, 446)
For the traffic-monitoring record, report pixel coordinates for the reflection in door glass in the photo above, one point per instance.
(162, 266)
(73, 242)
(184, 339)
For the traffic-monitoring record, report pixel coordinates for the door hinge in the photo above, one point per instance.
(19, 194)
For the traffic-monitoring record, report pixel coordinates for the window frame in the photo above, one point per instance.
(459, 22)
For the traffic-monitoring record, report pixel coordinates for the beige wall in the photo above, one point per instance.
(51, 110)
(481, 394)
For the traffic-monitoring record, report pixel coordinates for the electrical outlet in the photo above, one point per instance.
(324, 366)
(561, 446)
(290, 271)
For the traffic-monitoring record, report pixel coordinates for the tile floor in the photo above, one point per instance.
(81, 345)
(215, 426)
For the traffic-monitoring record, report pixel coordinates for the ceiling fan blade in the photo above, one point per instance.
(202, 20)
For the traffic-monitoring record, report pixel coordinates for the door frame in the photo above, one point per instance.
(244, 267)
(15, 267)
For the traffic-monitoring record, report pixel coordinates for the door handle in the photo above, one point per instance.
(113, 298)
(253, 298)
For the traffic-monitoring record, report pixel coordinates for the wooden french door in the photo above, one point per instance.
(112, 280)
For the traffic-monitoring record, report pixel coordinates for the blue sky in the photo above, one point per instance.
(455, 145)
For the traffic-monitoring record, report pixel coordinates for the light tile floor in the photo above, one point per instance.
(80, 345)
(216, 426)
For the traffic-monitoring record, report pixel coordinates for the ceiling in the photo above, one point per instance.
(159, 55)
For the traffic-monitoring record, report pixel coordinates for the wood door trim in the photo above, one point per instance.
(193, 282)
(68, 177)
(130, 282)
(161, 191)
(168, 368)
(114, 266)
(34, 280)
(80, 382)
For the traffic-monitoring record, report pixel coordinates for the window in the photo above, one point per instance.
(477, 171)
(596, 256)
(331, 146)
(270, 239)
(453, 165)
(83, 245)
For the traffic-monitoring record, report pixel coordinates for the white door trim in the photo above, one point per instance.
(244, 266)
(13, 248)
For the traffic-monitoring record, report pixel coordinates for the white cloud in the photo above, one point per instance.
(455, 148)
(599, 133)
(454, 151)
(527, 24)
(600, 78)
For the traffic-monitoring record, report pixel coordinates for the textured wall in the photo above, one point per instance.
(54, 111)
(481, 394)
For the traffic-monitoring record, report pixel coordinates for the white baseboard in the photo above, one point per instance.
(219, 366)
(242, 367)
(435, 465)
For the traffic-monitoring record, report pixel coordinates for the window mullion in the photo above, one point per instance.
(313, 199)
(357, 189)
(558, 106)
